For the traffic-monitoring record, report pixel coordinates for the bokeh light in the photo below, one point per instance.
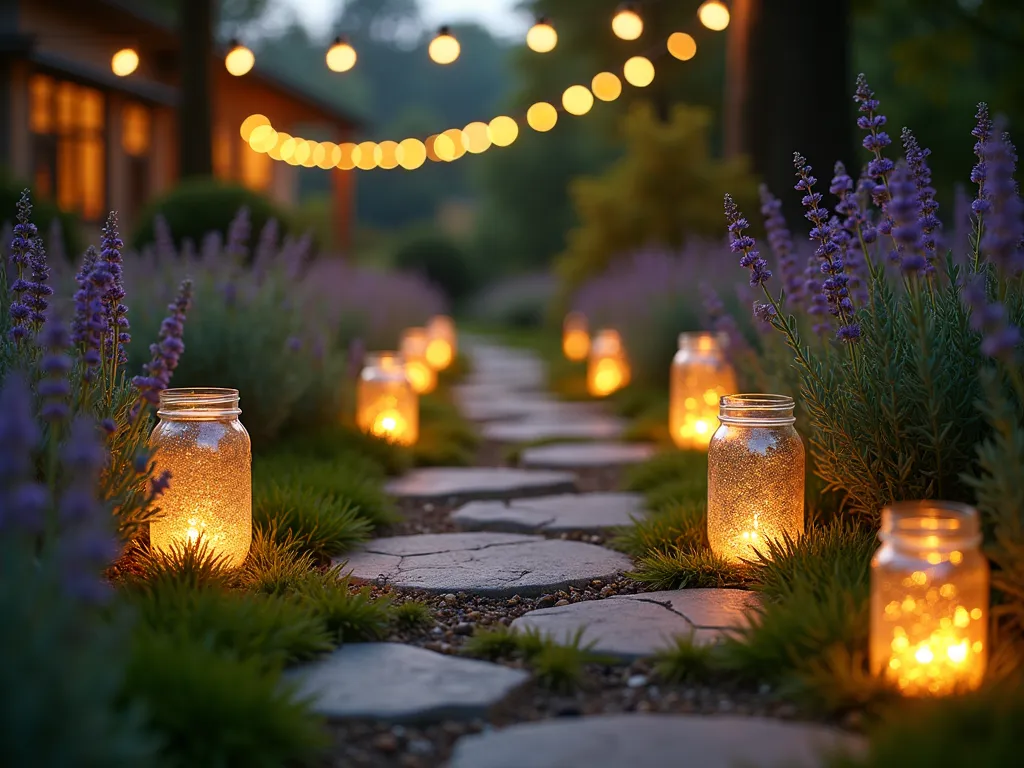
(367, 159)
(245, 130)
(458, 142)
(411, 154)
(262, 138)
(240, 60)
(429, 145)
(330, 157)
(282, 137)
(542, 116)
(606, 86)
(714, 15)
(542, 37)
(388, 155)
(503, 130)
(341, 56)
(287, 150)
(682, 46)
(302, 152)
(577, 100)
(349, 156)
(476, 138)
(124, 62)
(319, 155)
(627, 24)
(444, 148)
(444, 48)
(639, 71)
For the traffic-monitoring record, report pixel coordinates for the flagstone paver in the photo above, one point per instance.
(498, 564)
(402, 683)
(653, 741)
(633, 626)
(466, 483)
(585, 455)
(590, 512)
(549, 428)
(504, 406)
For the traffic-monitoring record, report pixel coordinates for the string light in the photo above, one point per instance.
(240, 60)
(542, 37)
(341, 56)
(476, 138)
(714, 14)
(503, 130)
(682, 46)
(124, 62)
(262, 138)
(302, 152)
(287, 149)
(412, 153)
(606, 86)
(577, 100)
(542, 116)
(388, 158)
(349, 156)
(331, 156)
(458, 148)
(282, 137)
(627, 24)
(430, 146)
(252, 121)
(366, 160)
(444, 48)
(639, 71)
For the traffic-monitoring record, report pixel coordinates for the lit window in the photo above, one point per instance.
(256, 169)
(41, 104)
(135, 129)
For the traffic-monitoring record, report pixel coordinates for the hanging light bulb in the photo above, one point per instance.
(124, 62)
(714, 14)
(626, 23)
(341, 56)
(239, 59)
(542, 37)
(444, 48)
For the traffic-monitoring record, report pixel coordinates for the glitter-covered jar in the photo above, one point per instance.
(755, 476)
(607, 364)
(699, 377)
(929, 599)
(204, 446)
(386, 405)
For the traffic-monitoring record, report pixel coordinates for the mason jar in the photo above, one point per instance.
(929, 599)
(607, 365)
(575, 337)
(386, 404)
(442, 346)
(413, 348)
(755, 476)
(700, 375)
(204, 446)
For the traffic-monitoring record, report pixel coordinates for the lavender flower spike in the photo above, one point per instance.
(90, 324)
(877, 140)
(23, 245)
(982, 133)
(917, 165)
(116, 312)
(156, 374)
(1001, 240)
(999, 338)
(905, 208)
(54, 388)
(23, 501)
(781, 242)
(742, 243)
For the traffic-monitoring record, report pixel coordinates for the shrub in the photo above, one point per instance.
(440, 260)
(197, 208)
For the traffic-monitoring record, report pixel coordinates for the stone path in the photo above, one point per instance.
(455, 484)
(497, 564)
(586, 512)
(634, 626)
(538, 428)
(401, 683)
(585, 455)
(653, 741)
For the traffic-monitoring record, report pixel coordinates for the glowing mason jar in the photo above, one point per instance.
(755, 476)
(386, 405)
(699, 378)
(575, 337)
(442, 344)
(200, 440)
(414, 352)
(929, 599)
(608, 366)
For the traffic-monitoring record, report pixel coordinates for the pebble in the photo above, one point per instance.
(386, 742)
(450, 599)
(515, 600)
(637, 681)
(420, 747)
(463, 628)
(561, 602)
(546, 602)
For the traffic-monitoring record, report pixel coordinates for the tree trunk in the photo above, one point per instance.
(195, 113)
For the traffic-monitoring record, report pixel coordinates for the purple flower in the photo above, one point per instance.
(741, 243)
(22, 500)
(163, 238)
(907, 234)
(293, 343)
(781, 242)
(999, 338)
(89, 326)
(921, 175)
(982, 134)
(879, 167)
(160, 483)
(23, 246)
(54, 388)
(156, 374)
(115, 312)
(266, 248)
(1004, 228)
(238, 235)
(718, 319)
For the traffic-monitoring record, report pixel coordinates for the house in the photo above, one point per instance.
(94, 142)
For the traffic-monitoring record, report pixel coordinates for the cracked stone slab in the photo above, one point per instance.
(655, 741)
(629, 627)
(467, 483)
(403, 683)
(550, 428)
(498, 564)
(589, 512)
(585, 455)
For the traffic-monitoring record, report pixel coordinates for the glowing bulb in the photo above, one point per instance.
(639, 71)
(341, 56)
(251, 122)
(388, 423)
(503, 130)
(542, 37)
(682, 46)
(542, 116)
(714, 15)
(577, 100)
(458, 140)
(411, 154)
(263, 138)
(444, 48)
(124, 62)
(239, 60)
(302, 152)
(367, 159)
(287, 149)
(476, 138)
(606, 86)
(444, 147)
(627, 24)
(439, 354)
(388, 158)
(275, 151)
(330, 157)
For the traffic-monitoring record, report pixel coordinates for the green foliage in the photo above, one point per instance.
(53, 223)
(664, 191)
(680, 567)
(667, 468)
(412, 615)
(196, 207)
(446, 438)
(350, 616)
(556, 666)
(275, 564)
(440, 260)
(492, 644)
(685, 661)
(676, 526)
(192, 565)
(324, 526)
(335, 439)
(215, 709)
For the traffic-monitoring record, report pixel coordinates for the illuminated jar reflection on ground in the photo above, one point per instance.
(755, 476)
(204, 446)
(929, 599)
(386, 405)
(607, 366)
(700, 376)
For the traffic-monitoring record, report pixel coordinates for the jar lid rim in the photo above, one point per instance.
(757, 401)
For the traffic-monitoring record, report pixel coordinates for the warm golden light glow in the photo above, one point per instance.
(367, 159)
(263, 138)
(430, 146)
(575, 337)
(414, 352)
(124, 62)
(714, 14)
(607, 366)
(286, 148)
(577, 100)
(201, 442)
(251, 122)
(302, 152)
(503, 130)
(639, 71)
(411, 154)
(350, 155)
(542, 116)
(442, 342)
(755, 476)
(386, 405)
(331, 155)
(444, 148)
(388, 157)
(444, 48)
(341, 56)
(929, 599)
(458, 140)
(627, 24)
(682, 46)
(542, 37)
(476, 138)
(700, 376)
(606, 86)
(239, 61)
(318, 155)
